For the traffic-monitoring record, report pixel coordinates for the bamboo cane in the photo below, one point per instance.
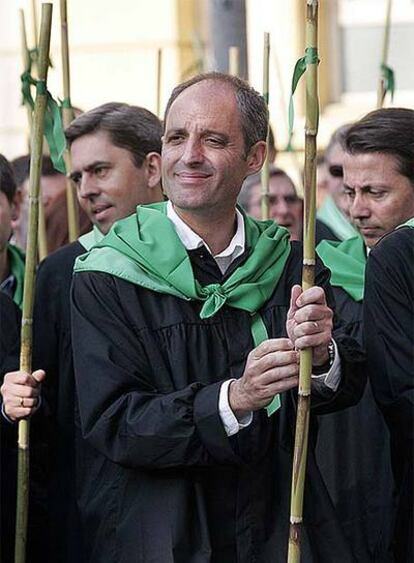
(385, 47)
(308, 277)
(42, 238)
(234, 61)
(34, 24)
(67, 115)
(265, 169)
(28, 291)
(159, 78)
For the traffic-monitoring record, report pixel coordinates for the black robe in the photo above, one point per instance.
(353, 455)
(389, 340)
(52, 352)
(163, 482)
(9, 358)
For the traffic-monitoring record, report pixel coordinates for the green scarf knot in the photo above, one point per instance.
(215, 299)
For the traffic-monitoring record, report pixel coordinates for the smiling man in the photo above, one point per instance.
(115, 150)
(185, 320)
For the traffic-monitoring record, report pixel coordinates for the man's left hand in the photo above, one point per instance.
(309, 322)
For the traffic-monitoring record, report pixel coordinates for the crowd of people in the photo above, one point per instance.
(166, 341)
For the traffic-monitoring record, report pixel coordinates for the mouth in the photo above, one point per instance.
(192, 177)
(101, 212)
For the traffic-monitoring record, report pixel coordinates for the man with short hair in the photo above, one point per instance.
(379, 184)
(186, 328)
(53, 191)
(285, 207)
(11, 257)
(115, 152)
(334, 212)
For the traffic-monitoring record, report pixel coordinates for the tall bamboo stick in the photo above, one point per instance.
(28, 291)
(34, 24)
(159, 81)
(234, 61)
(308, 277)
(42, 238)
(265, 169)
(67, 115)
(385, 47)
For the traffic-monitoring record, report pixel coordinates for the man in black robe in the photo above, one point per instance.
(378, 178)
(115, 151)
(389, 339)
(186, 320)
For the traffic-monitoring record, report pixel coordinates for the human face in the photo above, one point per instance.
(380, 197)
(203, 155)
(52, 188)
(282, 202)
(335, 178)
(5, 221)
(109, 184)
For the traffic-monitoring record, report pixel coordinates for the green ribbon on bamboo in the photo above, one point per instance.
(388, 77)
(54, 133)
(310, 58)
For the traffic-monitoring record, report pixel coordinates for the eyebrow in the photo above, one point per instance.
(90, 167)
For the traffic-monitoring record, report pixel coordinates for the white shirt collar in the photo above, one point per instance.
(192, 240)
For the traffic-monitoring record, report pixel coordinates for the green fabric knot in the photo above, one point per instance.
(310, 58)
(388, 77)
(41, 89)
(66, 103)
(216, 298)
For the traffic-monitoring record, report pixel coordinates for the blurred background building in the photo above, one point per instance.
(114, 51)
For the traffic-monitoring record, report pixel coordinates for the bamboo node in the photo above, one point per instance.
(303, 393)
(296, 520)
(311, 132)
(26, 322)
(309, 261)
(33, 198)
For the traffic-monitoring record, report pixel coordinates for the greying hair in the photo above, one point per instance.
(129, 127)
(254, 115)
(389, 131)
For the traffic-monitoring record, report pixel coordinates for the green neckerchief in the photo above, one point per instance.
(89, 239)
(145, 249)
(346, 260)
(336, 220)
(16, 261)
(409, 223)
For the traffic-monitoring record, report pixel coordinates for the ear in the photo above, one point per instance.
(153, 169)
(16, 206)
(256, 157)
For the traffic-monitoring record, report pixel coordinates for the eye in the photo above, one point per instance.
(75, 178)
(377, 194)
(100, 171)
(214, 142)
(175, 139)
(349, 193)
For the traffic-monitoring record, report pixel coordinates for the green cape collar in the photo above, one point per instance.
(16, 261)
(89, 239)
(145, 249)
(336, 220)
(409, 223)
(346, 260)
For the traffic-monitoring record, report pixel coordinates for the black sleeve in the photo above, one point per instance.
(125, 414)
(389, 325)
(353, 371)
(10, 319)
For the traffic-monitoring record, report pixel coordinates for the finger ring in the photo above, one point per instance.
(22, 401)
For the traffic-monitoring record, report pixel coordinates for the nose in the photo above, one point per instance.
(359, 208)
(87, 188)
(193, 153)
(279, 208)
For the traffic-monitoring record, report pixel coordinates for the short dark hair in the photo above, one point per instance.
(388, 130)
(21, 168)
(254, 179)
(7, 180)
(129, 127)
(254, 115)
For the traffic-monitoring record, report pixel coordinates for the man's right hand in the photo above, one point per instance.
(21, 393)
(271, 368)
